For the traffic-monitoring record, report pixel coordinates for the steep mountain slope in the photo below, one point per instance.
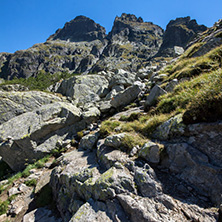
(115, 145)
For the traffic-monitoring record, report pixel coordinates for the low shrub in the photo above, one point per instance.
(80, 134)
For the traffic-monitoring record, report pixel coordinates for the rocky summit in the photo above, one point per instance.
(80, 29)
(124, 126)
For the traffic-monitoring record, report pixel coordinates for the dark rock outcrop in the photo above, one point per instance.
(80, 29)
(130, 28)
(179, 32)
(51, 57)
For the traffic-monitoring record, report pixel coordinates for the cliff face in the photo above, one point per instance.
(179, 32)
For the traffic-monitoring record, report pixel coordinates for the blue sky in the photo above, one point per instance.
(24, 23)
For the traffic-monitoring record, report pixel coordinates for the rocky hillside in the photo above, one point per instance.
(134, 136)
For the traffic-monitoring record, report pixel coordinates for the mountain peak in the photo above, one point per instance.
(81, 28)
(128, 18)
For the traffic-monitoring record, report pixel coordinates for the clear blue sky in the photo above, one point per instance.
(24, 23)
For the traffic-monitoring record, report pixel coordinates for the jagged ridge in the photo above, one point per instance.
(82, 47)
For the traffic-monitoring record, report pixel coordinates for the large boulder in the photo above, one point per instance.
(122, 78)
(88, 142)
(40, 215)
(174, 127)
(155, 92)
(147, 181)
(145, 209)
(79, 178)
(83, 89)
(127, 96)
(109, 156)
(115, 140)
(150, 152)
(15, 103)
(73, 168)
(31, 135)
(190, 163)
(92, 114)
(207, 137)
(100, 212)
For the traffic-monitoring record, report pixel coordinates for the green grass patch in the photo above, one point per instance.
(153, 122)
(107, 127)
(191, 50)
(58, 151)
(38, 164)
(14, 177)
(145, 124)
(131, 117)
(131, 140)
(206, 105)
(219, 35)
(187, 67)
(4, 204)
(200, 98)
